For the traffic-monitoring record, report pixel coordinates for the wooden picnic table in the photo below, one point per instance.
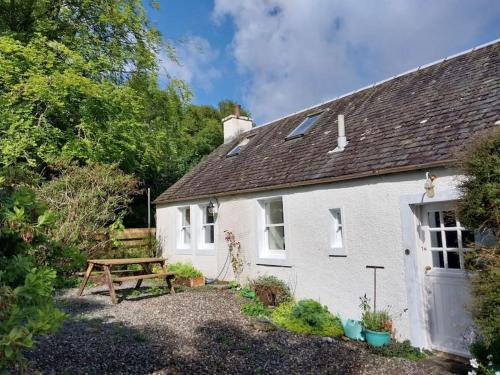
(145, 273)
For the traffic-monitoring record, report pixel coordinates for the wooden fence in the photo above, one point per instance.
(136, 240)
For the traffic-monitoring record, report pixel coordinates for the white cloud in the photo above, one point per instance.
(300, 52)
(195, 63)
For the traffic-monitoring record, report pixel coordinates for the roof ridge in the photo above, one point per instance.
(377, 83)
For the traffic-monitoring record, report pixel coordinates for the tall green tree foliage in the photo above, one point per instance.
(78, 81)
(480, 208)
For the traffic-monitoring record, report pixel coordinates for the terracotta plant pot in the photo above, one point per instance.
(191, 282)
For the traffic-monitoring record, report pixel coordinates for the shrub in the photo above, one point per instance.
(399, 349)
(86, 201)
(184, 270)
(271, 291)
(255, 308)
(246, 292)
(307, 317)
(479, 208)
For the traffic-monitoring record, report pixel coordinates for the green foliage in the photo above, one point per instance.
(255, 308)
(233, 284)
(271, 291)
(26, 307)
(479, 208)
(307, 317)
(247, 292)
(86, 201)
(185, 270)
(379, 321)
(399, 349)
(26, 282)
(486, 352)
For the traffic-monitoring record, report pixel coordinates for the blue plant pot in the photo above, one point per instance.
(377, 338)
(353, 329)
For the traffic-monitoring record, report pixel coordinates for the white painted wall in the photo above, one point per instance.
(373, 236)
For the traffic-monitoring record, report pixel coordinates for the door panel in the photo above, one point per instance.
(447, 286)
(450, 324)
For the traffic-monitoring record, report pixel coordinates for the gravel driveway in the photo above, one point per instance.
(194, 332)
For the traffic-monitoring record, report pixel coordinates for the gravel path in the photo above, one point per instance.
(194, 332)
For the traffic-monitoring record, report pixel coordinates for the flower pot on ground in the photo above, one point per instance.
(191, 282)
(187, 274)
(377, 324)
(379, 338)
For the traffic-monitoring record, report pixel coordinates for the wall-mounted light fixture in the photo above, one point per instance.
(429, 184)
(213, 208)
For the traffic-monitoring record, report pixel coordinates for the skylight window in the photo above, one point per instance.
(304, 126)
(236, 151)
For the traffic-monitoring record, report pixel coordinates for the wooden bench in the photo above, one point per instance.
(106, 264)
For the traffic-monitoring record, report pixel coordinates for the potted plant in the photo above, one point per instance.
(187, 275)
(377, 324)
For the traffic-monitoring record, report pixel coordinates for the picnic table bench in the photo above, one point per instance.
(143, 274)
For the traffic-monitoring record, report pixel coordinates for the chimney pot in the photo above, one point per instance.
(235, 124)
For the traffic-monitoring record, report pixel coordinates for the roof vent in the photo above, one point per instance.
(341, 139)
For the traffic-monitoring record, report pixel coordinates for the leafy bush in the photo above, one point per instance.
(255, 308)
(26, 283)
(87, 200)
(479, 208)
(271, 291)
(308, 317)
(26, 307)
(246, 292)
(185, 270)
(399, 349)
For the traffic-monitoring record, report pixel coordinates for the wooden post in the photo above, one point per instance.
(167, 278)
(109, 281)
(90, 267)
(375, 284)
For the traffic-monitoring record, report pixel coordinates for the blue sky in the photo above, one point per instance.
(279, 56)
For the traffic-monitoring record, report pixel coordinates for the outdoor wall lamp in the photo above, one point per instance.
(429, 184)
(213, 208)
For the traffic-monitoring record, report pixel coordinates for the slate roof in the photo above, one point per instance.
(420, 119)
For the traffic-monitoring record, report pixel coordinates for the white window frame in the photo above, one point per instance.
(460, 249)
(263, 226)
(182, 247)
(336, 250)
(202, 227)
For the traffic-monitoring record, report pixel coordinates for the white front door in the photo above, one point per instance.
(446, 283)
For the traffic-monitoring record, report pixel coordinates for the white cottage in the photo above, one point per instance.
(318, 196)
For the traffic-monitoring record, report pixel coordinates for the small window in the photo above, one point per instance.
(236, 150)
(337, 241)
(304, 126)
(185, 230)
(207, 227)
(447, 239)
(272, 234)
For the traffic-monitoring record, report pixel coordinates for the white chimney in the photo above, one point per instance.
(341, 140)
(235, 124)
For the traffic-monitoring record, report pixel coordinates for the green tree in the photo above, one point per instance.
(479, 208)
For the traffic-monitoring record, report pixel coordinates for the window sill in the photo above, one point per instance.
(205, 251)
(337, 252)
(184, 251)
(273, 262)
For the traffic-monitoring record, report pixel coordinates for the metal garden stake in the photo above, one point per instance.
(375, 268)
